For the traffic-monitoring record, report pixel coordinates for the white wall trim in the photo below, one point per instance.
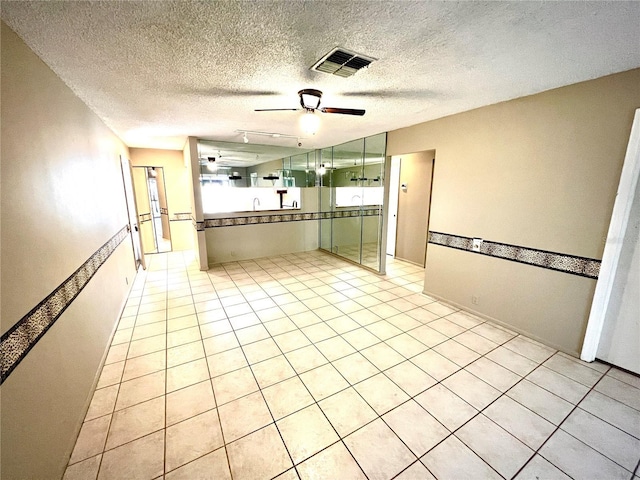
(613, 245)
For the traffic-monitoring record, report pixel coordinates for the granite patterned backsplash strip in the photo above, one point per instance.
(16, 343)
(574, 265)
(286, 217)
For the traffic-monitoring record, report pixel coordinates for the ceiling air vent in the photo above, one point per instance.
(342, 62)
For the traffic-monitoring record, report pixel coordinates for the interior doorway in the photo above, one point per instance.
(132, 210)
(409, 204)
(151, 198)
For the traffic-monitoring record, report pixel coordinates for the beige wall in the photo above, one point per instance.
(62, 199)
(413, 206)
(176, 180)
(228, 244)
(539, 171)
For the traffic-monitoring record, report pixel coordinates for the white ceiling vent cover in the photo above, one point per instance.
(342, 62)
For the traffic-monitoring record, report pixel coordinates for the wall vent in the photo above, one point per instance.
(342, 62)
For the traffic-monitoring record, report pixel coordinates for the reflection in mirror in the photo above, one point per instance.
(153, 210)
(241, 177)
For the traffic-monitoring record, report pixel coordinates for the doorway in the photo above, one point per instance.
(132, 211)
(151, 198)
(409, 204)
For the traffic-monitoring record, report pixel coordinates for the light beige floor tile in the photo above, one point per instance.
(578, 460)
(541, 401)
(382, 356)
(422, 315)
(404, 322)
(91, 439)
(456, 352)
(503, 452)
(180, 337)
(435, 364)
(111, 374)
(318, 332)
(560, 385)
(261, 350)
(406, 345)
(360, 338)
(446, 327)
(270, 314)
(333, 462)
(335, 348)
(355, 368)
(538, 468)
(381, 393)
(103, 402)
(347, 411)
(141, 459)
(211, 316)
(465, 320)
(151, 317)
(323, 381)
(367, 317)
(186, 374)
(512, 361)
(189, 401)
(218, 327)
(252, 334)
(625, 377)
(475, 342)
(237, 310)
(192, 438)
(378, 451)
(213, 466)
(415, 427)
(117, 353)
(342, 324)
(305, 319)
(233, 385)
(306, 358)
(530, 349)
(261, 455)
(226, 362)
(84, 470)
(306, 432)
(446, 407)
(141, 389)
(144, 365)
(522, 423)
(294, 308)
(416, 471)
(494, 374)
(572, 369)
(147, 345)
(616, 413)
(220, 343)
(291, 340)
(243, 416)
(180, 301)
(287, 397)
(382, 310)
(410, 378)
(122, 336)
(439, 308)
(471, 389)
(621, 391)
(279, 326)
(243, 321)
(149, 330)
(452, 459)
(427, 335)
(617, 445)
(272, 371)
(184, 354)
(135, 422)
(159, 306)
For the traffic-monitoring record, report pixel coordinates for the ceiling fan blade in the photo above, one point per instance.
(276, 109)
(344, 111)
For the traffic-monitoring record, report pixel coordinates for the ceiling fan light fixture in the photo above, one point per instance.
(309, 122)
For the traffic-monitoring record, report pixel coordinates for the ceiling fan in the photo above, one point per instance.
(310, 102)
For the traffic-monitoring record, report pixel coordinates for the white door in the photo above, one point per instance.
(394, 186)
(132, 211)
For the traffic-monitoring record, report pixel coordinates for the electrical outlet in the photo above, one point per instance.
(475, 299)
(477, 243)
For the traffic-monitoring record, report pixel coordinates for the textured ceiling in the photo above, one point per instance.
(157, 72)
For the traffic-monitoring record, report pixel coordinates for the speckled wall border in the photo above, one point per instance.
(574, 265)
(285, 217)
(16, 343)
(180, 216)
(144, 217)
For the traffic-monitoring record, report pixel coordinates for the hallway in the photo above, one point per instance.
(306, 366)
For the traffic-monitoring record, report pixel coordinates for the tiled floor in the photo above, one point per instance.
(306, 366)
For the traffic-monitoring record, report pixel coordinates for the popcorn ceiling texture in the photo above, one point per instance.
(157, 72)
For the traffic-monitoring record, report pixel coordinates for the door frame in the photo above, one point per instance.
(132, 212)
(613, 244)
